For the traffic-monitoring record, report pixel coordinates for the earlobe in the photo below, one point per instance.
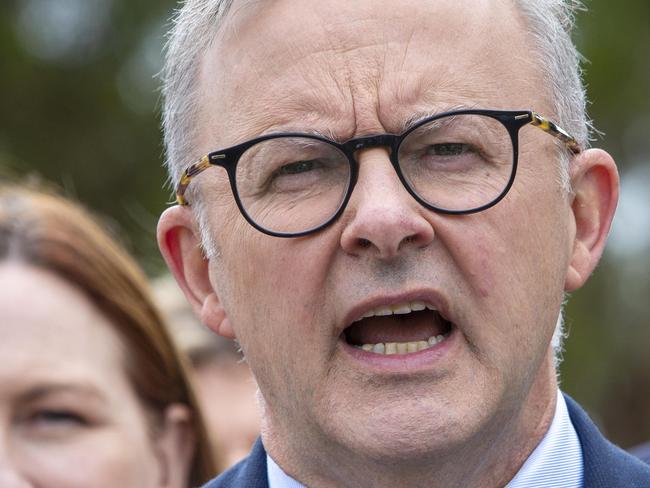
(214, 316)
(595, 183)
(180, 244)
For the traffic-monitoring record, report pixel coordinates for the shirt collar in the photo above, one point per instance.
(556, 461)
(278, 478)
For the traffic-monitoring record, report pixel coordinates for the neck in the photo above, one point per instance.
(490, 459)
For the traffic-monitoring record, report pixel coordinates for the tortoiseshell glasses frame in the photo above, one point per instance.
(512, 121)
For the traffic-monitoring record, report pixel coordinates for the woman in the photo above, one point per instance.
(92, 391)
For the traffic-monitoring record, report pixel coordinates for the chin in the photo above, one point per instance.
(398, 428)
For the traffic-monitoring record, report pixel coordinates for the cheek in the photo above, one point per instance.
(275, 296)
(273, 281)
(101, 460)
(513, 259)
(529, 231)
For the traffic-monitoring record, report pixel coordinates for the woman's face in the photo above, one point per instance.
(68, 415)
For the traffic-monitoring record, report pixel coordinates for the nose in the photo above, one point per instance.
(383, 219)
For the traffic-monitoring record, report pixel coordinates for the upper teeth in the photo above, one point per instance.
(397, 309)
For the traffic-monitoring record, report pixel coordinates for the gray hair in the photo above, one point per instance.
(551, 23)
(193, 28)
(195, 24)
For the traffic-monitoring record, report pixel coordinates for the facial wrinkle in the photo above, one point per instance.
(406, 49)
(363, 67)
(392, 99)
(343, 86)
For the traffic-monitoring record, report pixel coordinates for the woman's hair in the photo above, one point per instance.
(41, 228)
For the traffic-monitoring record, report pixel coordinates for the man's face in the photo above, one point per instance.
(496, 277)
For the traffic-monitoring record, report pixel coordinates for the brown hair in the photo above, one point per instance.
(41, 228)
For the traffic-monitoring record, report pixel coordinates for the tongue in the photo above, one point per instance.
(411, 327)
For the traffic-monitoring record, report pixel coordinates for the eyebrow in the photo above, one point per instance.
(326, 133)
(407, 124)
(419, 116)
(41, 391)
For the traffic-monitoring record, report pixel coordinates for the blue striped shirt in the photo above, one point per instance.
(556, 462)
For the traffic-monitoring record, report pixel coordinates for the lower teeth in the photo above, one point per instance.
(388, 348)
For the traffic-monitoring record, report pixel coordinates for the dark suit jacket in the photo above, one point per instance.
(606, 466)
(642, 452)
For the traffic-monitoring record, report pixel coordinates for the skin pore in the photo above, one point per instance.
(332, 418)
(68, 414)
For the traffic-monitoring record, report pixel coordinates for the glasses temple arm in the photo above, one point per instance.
(555, 130)
(193, 170)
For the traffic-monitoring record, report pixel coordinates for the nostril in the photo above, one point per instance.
(364, 243)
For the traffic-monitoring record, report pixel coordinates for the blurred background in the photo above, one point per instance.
(79, 105)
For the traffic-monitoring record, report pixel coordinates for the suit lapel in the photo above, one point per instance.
(605, 465)
(253, 474)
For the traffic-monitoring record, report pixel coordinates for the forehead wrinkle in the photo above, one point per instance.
(329, 80)
(402, 97)
(286, 115)
(255, 106)
(355, 83)
(251, 113)
(344, 66)
(328, 111)
(401, 107)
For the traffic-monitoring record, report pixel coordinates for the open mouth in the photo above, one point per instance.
(402, 328)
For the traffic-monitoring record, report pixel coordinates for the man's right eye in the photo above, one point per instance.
(297, 167)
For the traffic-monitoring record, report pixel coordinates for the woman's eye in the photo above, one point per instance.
(56, 418)
(449, 149)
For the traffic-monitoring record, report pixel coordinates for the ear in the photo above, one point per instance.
(595, 185)
(180, 244)
(175, 444)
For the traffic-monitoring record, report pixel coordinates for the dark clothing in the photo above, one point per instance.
(642, 452)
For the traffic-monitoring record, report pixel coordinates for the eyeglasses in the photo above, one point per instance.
(294, 184)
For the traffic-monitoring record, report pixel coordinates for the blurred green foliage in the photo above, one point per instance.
(79, 105)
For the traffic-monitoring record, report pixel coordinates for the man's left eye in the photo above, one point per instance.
(448, 149)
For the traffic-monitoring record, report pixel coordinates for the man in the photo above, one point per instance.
(389, 234)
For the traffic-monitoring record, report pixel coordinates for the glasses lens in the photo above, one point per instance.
(459, 162)
(292, 184)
